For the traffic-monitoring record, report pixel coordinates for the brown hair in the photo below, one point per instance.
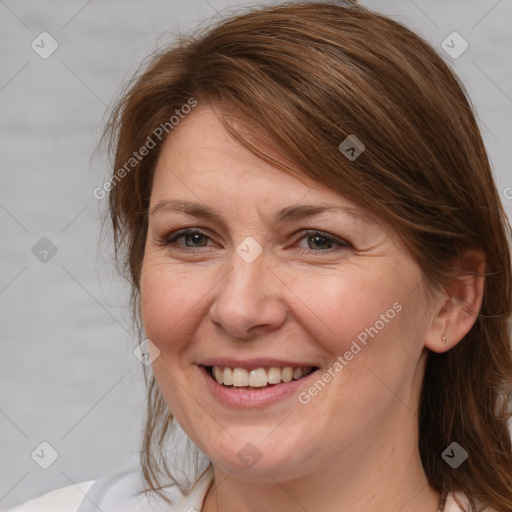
(305, 76)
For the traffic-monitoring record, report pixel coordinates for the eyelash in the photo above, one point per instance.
(173, 237)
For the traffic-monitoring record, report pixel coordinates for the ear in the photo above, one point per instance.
(458, 304)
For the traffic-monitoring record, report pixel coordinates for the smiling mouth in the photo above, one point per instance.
(257, 378)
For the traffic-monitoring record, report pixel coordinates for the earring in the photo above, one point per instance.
(444, 340)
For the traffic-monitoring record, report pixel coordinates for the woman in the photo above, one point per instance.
(320, 264)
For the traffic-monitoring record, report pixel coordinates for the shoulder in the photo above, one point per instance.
(65, 499)
(124, 488)
(123, 491)
(458, 502)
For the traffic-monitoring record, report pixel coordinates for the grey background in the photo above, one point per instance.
(68, 375)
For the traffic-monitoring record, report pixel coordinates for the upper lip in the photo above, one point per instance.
(249, 364)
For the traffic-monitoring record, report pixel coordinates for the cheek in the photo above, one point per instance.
(370, 324)
(353, 304)
(170, 300)
(379, 336)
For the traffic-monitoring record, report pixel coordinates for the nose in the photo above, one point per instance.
(249, 301)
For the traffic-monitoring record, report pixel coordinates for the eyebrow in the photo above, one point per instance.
(294, 212)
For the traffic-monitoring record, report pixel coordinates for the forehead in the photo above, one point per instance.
(201, 160)
(201, 143)
(201, 152)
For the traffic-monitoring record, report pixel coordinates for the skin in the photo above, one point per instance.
(354, 446)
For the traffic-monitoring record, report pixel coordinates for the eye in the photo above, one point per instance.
(192, 238)
(318, 241)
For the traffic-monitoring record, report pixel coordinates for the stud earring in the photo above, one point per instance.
(444, 340)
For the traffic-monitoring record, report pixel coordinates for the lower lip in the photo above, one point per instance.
(252, 398)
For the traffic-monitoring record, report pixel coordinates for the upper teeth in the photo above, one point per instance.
(259, 377)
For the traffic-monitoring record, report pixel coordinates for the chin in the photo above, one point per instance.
(262, 458)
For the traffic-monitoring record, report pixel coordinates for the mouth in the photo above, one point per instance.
(257, 378)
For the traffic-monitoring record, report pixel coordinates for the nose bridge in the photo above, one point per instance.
(246, 298)
(246, 279)
(248, 268)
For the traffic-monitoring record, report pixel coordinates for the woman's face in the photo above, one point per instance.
(248, 268)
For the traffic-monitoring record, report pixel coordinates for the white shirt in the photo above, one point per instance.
(117, 493)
